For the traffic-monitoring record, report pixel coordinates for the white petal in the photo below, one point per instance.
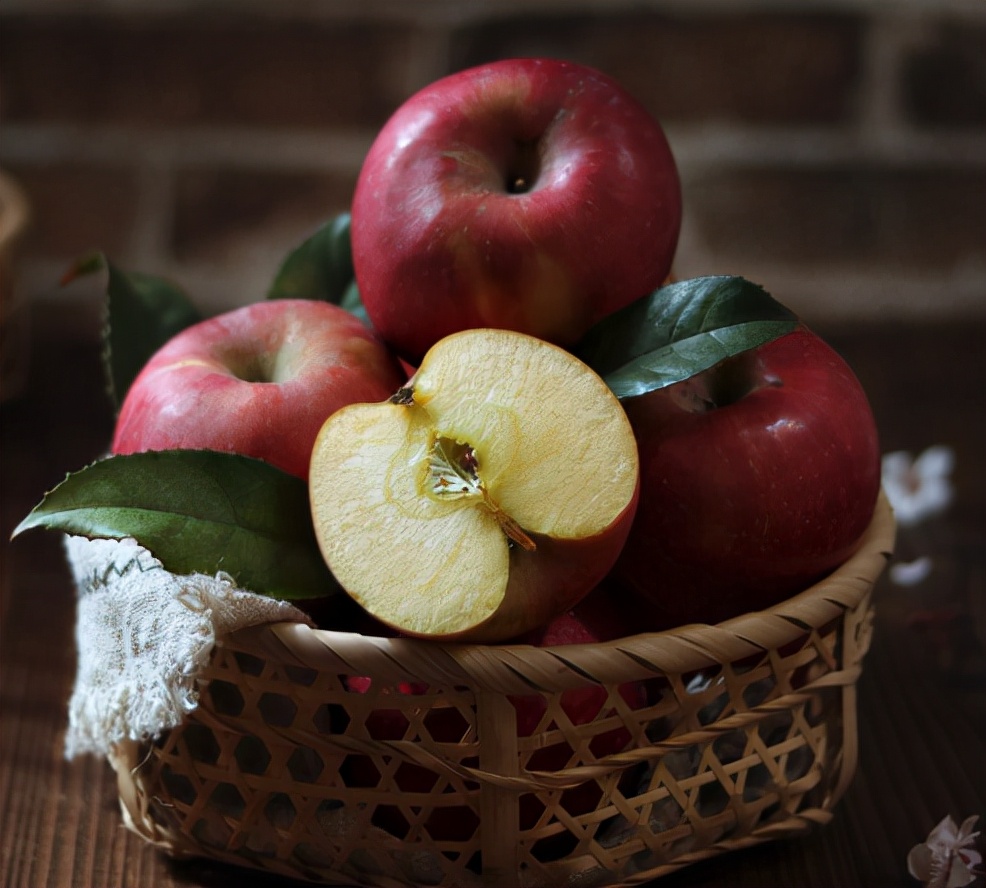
(935, 462)
(944, 834)
(959, 875)
(910, 573)
(896, 465)
(966, 834)
(935, 496)
(919, 863)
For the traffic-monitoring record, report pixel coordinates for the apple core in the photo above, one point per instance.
(453, 473)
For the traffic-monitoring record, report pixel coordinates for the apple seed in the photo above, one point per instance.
(453, 473)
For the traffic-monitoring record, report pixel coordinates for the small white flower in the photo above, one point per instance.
(946, 860)
(918, 488)
(910, 573)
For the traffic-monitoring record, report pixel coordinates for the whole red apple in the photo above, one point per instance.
(527, 194)
(259, 380)
(758, 478)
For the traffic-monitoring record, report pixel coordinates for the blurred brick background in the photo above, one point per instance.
(834, 150)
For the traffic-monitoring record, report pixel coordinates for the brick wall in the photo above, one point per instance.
(833, 150)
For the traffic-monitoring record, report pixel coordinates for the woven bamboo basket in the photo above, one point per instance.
(415, 775)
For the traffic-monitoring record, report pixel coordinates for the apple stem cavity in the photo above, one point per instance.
(724, 384)
(256, 368)
(453, 473)
(523, 169)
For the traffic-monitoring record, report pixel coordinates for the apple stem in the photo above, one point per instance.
(453, 473)
(404, 396)
(511, 528)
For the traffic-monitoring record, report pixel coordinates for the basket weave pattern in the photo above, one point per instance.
(345, 759)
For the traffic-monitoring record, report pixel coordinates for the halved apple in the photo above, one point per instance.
(488, 495)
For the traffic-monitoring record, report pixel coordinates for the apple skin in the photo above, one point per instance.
(258, 380)
(443, 240)
(745, 504)
(556, 577)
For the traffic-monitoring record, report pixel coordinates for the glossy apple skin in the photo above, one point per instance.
(442, 243)
(259, 381)
(750, 502)
(554, 578)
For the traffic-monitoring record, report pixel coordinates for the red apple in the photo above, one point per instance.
(259, 381)
(472, 483)
(445, 724)
(593, 620)
(527, 194)
(597, 618)
(758, 478)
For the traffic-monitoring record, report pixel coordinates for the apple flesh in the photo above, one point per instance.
(490, 494)
(528, 194)
(758, 478)
(258, 381)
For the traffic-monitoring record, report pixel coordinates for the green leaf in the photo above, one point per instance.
(321, 268)
(352, 302)
(198, 511)
(682, 329)
(142, 313)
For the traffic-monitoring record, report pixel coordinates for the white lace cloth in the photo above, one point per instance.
(142, 635)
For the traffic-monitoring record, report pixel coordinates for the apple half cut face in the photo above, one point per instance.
(491, 493)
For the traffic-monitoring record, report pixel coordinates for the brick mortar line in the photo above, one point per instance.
(698, 146)
(291, 149)
(705, 147)
(879, 105)
(369, 11)
(821, 292)
(829, 291)
(154, 215)
(458, 12)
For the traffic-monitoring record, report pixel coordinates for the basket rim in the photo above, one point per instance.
(523, 668)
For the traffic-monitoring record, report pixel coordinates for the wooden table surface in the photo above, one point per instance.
(922, 696)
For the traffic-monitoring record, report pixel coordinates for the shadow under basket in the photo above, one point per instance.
(345, 759)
